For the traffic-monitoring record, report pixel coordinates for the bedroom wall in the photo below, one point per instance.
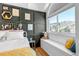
(77, 28)
(36, 18)
(60, 37)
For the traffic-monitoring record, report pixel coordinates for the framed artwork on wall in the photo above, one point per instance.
(27, 16)
(5, 8)
(6, 15)
(15, 12)
(30, 26)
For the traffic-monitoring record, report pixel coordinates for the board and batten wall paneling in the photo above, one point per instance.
(38, 19)
(39, 22)
(39, 26)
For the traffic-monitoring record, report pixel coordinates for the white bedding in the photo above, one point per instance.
(14, 40)
(11, 35)
(13, 44)
(2, 33)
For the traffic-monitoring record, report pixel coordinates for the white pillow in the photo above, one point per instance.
(15, 35)
(2, 33)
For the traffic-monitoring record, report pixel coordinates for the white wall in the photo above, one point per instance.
(77, 28)
(60, 37)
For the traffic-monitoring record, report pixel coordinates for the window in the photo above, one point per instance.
(67, 21)
(63, 22)
(53, 24)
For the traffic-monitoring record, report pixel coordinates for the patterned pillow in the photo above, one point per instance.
(69, 43)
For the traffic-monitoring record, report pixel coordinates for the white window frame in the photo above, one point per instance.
(58, 12)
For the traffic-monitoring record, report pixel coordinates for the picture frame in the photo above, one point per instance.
(30, 27)
(6, 15)
(15, 12)
(5, 8)
(27, 16)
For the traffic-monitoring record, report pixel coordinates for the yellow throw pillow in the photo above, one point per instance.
(69, 43)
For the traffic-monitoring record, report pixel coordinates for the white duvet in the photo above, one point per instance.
(2, 33)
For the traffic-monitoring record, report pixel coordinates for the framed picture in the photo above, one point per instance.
(27, 16)
(15, 12)
(5, 8)
(6, 15)
(30, 26)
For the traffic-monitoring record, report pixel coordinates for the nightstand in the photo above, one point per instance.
(32, 43)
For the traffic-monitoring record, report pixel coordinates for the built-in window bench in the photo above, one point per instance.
(54, 48)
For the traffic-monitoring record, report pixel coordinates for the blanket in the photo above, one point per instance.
(19, 52)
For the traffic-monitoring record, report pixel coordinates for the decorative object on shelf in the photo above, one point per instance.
(44, 35)
(6, 15)
(6, 27)
(3, 27)
(10, 26)
(5, 8)
(27, 16)
(15, 12)
(20, 26)
(30, 26)
(0, 26)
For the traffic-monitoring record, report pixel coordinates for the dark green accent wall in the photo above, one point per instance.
(38, 19)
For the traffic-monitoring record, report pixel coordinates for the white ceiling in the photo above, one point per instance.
(33, 6)
(56, 6)
(50, 8)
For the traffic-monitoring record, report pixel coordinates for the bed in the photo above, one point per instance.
(15, 45)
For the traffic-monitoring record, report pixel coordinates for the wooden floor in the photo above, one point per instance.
(41, 52)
